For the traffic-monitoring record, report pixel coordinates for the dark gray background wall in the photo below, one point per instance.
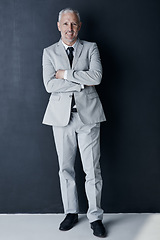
(128, 35)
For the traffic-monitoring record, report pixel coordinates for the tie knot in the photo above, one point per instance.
(70, 49)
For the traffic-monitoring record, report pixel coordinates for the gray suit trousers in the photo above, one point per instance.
(87, 138)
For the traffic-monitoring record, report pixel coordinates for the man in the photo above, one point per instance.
(71, 69)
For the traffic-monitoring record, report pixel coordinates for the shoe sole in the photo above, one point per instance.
(104, 236)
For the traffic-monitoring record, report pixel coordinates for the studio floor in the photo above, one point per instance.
(45, 227)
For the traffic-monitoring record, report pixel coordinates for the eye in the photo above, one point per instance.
(65, 23)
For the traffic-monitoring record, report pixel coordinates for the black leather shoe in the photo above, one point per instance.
(70, 220)
(98, 229)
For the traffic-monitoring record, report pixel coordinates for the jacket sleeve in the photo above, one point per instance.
(51, 83)
(93, 75)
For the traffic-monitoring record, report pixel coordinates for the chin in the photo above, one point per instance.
(70, 40)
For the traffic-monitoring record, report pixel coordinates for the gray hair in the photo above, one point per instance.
(66, 10)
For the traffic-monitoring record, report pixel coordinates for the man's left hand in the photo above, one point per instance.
(60, 74)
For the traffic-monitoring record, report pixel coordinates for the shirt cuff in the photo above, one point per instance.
(65, 74)
(65, 77)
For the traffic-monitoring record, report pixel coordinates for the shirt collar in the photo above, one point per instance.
(66, 46)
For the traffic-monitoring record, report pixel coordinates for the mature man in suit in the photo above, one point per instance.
(71, 69)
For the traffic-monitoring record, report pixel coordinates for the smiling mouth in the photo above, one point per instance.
(71, 32)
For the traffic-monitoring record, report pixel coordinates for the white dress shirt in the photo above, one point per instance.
(74, 47)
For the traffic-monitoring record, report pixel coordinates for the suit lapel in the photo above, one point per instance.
(77, 53)
(62, 52)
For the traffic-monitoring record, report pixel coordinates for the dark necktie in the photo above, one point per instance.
(70, 56)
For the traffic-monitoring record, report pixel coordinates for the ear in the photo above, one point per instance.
(80, 24)
(58, 25)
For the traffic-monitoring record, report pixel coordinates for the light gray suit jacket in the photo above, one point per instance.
(86, 70)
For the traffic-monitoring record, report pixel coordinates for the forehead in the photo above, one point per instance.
(69, 16)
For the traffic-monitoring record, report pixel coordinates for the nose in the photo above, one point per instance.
(70, 27)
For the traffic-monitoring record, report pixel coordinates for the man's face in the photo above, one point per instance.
(69, 27)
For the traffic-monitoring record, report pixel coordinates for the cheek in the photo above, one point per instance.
(63, 29)
(76, 30)
(64, 32)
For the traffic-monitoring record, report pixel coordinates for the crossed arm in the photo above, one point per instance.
(60, 75)
(54, 80)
